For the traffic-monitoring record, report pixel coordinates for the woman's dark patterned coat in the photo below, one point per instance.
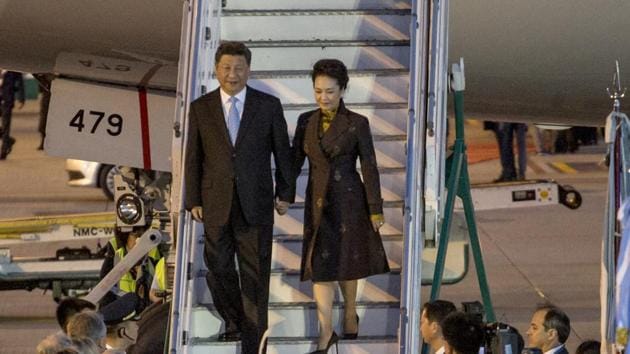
(339, 242)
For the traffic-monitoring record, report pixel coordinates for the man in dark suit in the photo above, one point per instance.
(12, 87)
(549, 329)
(233, 132)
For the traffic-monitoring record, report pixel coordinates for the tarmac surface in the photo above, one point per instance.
(531, 254)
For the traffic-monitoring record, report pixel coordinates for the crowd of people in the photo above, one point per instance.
(131, 318)
(449, 331)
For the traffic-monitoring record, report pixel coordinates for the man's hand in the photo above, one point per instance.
(197, 213)
(281, 206)
(20, 105)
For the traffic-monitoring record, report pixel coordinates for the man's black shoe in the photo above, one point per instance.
(11, 143)
(504, 179)
(229, 337)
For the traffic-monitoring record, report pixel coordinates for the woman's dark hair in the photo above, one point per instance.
(233, 48)
(588, 347)
(332, 68)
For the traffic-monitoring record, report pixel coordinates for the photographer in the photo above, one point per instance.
(549, 329)
(433, 312)
(463, 334)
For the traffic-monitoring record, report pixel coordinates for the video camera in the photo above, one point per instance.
(499, 338)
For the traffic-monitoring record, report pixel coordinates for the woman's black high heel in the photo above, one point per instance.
(333, 340)
(354, 335)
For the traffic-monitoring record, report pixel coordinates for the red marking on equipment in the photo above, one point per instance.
(144, 125)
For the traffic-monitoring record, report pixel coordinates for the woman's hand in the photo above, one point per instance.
(281, 206)
(378, 220)
(197, 213)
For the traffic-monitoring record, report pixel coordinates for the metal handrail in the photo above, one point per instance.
(199, 39)
(410, 300)
(427, 120)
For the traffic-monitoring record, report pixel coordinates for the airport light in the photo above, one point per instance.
(129, 209)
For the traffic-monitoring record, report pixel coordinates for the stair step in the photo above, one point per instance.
(285, 285)
(255, 25)
(300, 319)
(319, 4)
(339, 43)
(320, 11)
(385, 119)
(277, 345)
(356, 55)
(295, 87)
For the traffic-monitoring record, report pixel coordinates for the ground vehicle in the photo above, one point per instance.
(91, 174)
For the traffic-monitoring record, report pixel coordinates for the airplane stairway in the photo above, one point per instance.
(286, 38)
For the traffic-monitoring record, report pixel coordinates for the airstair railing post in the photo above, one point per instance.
(452, 185)
(458, 184)
(411, 277)
(180, 222)
(199, 39)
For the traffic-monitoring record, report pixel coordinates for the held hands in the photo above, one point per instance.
(378, 220)
(281, 206)
(197, 213)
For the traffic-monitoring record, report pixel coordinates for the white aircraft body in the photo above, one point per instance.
(535, 60)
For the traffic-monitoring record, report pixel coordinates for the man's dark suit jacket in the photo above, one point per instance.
(213, 165)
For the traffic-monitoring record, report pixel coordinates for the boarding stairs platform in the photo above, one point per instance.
(286, 38)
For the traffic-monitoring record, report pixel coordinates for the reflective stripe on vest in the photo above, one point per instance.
(160, 274)
(127, 282)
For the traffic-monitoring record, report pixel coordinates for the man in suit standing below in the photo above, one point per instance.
(233, 132)
(549, 329)
(12, 85)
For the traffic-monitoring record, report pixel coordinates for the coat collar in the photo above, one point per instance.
(340, 124)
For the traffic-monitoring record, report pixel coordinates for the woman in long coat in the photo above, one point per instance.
(342, 214)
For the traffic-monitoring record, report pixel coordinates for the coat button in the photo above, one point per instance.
(337, 175)
(234, 155)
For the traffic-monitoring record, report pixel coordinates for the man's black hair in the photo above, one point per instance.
(463, 332)
(69, 307)
(233, 48)
(589, 347)
(437, 310)
(556, 319)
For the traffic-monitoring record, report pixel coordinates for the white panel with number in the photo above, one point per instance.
(103, 123)
(111, 70)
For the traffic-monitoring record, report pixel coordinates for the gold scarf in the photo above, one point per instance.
(327, 118)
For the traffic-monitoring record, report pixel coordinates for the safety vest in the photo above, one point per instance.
(160, 274)
(127, 283)
(114, 242)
